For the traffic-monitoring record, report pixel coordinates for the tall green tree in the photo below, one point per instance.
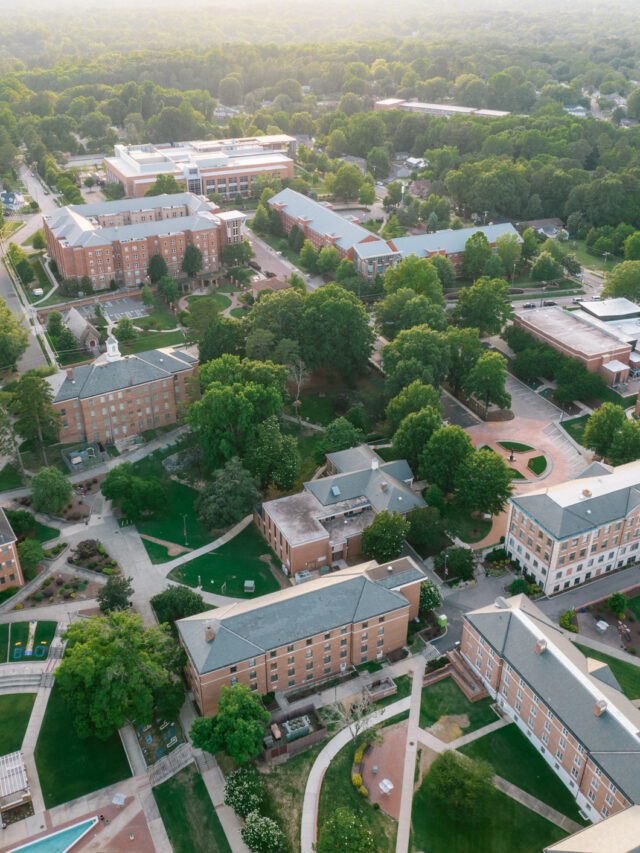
(602, 427)
(625, 446)
(404, 309)
(477, 251)
(546, 268)
(483, 306)
(484, 482)
(414, 433)
(260, 222)
(177, 602)
(164, 184)
(157, 268)
(273, 457)
(115, 594)
(9, 445)
(168, 289)
(384, 537)
(487, 381)
(412, 398)
(529, 244)
(445, 453)
(238, 727)
(50, 490)
(465, 349)
(418, 274)
(340, 434)
(508, 246)
(134, 494)
(418, 353)
(14, 337)
(347, 181)
(36, 419)
(462, 788)
(623, 280)
(115, 670)
(228, 496)
(192, 261)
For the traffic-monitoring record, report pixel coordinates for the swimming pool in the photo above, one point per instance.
(58, 842)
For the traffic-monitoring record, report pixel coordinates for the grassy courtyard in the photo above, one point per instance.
(10, 478)
(514, 758)
(627, 674)
(634, 606)
(70, 767)
(245, 557)
(504, 828)
(188, 814)
(463, 525)
(337, 789)
(15, 710)
(575, 427)
(18, 636)
(178, 509)
(157, 553)
(152, 340)
(444, 698)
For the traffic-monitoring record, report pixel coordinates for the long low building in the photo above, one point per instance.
(224, 166)
(569, 706)
(301, 634)
(116, 240)
(114, 397)
(446, 110)
(567, 534)
(601, 347)
(322, 525)
(371, 254)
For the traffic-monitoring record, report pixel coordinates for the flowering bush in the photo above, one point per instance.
(243, 791)
(261, 834)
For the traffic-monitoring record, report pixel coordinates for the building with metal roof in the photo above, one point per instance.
(566, 534)
(445, 110)
(569, 706)
(371, 254)
(223, 166)
(322, 525)
(116, 396)
(302, 633)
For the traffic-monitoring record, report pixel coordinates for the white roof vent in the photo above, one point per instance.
(335, 491)
(374, 464)
(501, 603)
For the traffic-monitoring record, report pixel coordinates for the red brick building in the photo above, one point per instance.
(10, 569)
(115, 396)
(116, 240)
(569, 706)
(301, 634)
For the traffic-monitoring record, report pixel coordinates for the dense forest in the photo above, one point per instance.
(66, 89)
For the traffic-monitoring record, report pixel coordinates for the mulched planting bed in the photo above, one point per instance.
(91, 554)
(62, 587)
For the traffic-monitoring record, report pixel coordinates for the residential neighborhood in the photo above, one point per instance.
(319, 429)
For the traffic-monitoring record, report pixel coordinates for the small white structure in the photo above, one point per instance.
(14, 786)
(386, 786)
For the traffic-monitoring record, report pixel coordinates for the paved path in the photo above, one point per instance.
(408, 775)
(536, 805)
(197, 552)
(485, 730)
(324, 759)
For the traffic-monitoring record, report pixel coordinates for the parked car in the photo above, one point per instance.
(576, 300)
(529, 305)
(549, 302)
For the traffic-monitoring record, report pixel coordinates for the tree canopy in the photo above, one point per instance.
(238, 727)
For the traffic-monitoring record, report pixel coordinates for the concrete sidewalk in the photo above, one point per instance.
(404, 819)
(205, 549)
(536, 805)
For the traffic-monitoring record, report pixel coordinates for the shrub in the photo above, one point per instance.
(632, 650)
(357, 758)
(356, 780)
(617, 603)
(376, 806)
(244, 791)
(566, 621)
(38, 596)
(362, 790)
(518, 586)
(497, 555)
(19, 607)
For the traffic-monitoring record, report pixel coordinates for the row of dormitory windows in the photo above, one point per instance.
(12, 577)
(597, 539)
(110, 426)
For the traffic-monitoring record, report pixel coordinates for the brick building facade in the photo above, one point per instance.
(114, 397)
(570, 707)
(301, 634)
(116, 240)
(10, 569)
(567, 534)
(224, 166)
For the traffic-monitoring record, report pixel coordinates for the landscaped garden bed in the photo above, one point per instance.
(91, 554)
(158, 739)
(537, 464)
(516, 446)
(62, 588)
(55, 551)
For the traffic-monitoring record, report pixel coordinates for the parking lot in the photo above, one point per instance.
(114, 309)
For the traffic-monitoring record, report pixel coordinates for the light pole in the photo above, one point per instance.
(184, 528)
(605, 256)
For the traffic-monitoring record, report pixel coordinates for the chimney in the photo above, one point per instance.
(131, 380)
(209, 633)
(600, 707)
(541, 646)
(384, 486)
(70, 373)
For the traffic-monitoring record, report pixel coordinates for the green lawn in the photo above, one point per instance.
(170, 523)
(188, 814)
(19, 636)
(232, 564)
(514, 758)
(594, 262)
(10, 477)
(537, 464)
(221, 301)
(153, 340)
(319, 410)
(308, 441)
(463, 525)
(575, 427)
(445, 698)
(4, 642)
(237, 313)
(39, 531)
(515, 446)
(337, 789)
(634, 606)
(516, 475)
(159, 318)
(403, 683)
(70, 767)
(627, 674)
(15, 710)
(504, 828)
(157, 553)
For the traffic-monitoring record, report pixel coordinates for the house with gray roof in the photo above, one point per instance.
(570, 707)
(302, 633)
(322, 526)
(83, 331)
(371, 254)
(567, 534)
(118, 396)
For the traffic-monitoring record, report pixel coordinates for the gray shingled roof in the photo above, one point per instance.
(550, 675)
(258, 629)
(579, 517)
(379, 486)
(103, 377)
(6, 531)
(450, 240)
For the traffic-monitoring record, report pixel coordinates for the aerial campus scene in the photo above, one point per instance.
(319, 427)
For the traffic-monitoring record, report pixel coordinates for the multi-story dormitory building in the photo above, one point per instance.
(224, 166)
(567, 534)
(569, 706)
(301, 634)
(114, 397)
(371, 254)
(117, 239)
(10, 569)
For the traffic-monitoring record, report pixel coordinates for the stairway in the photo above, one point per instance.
(577, 462)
